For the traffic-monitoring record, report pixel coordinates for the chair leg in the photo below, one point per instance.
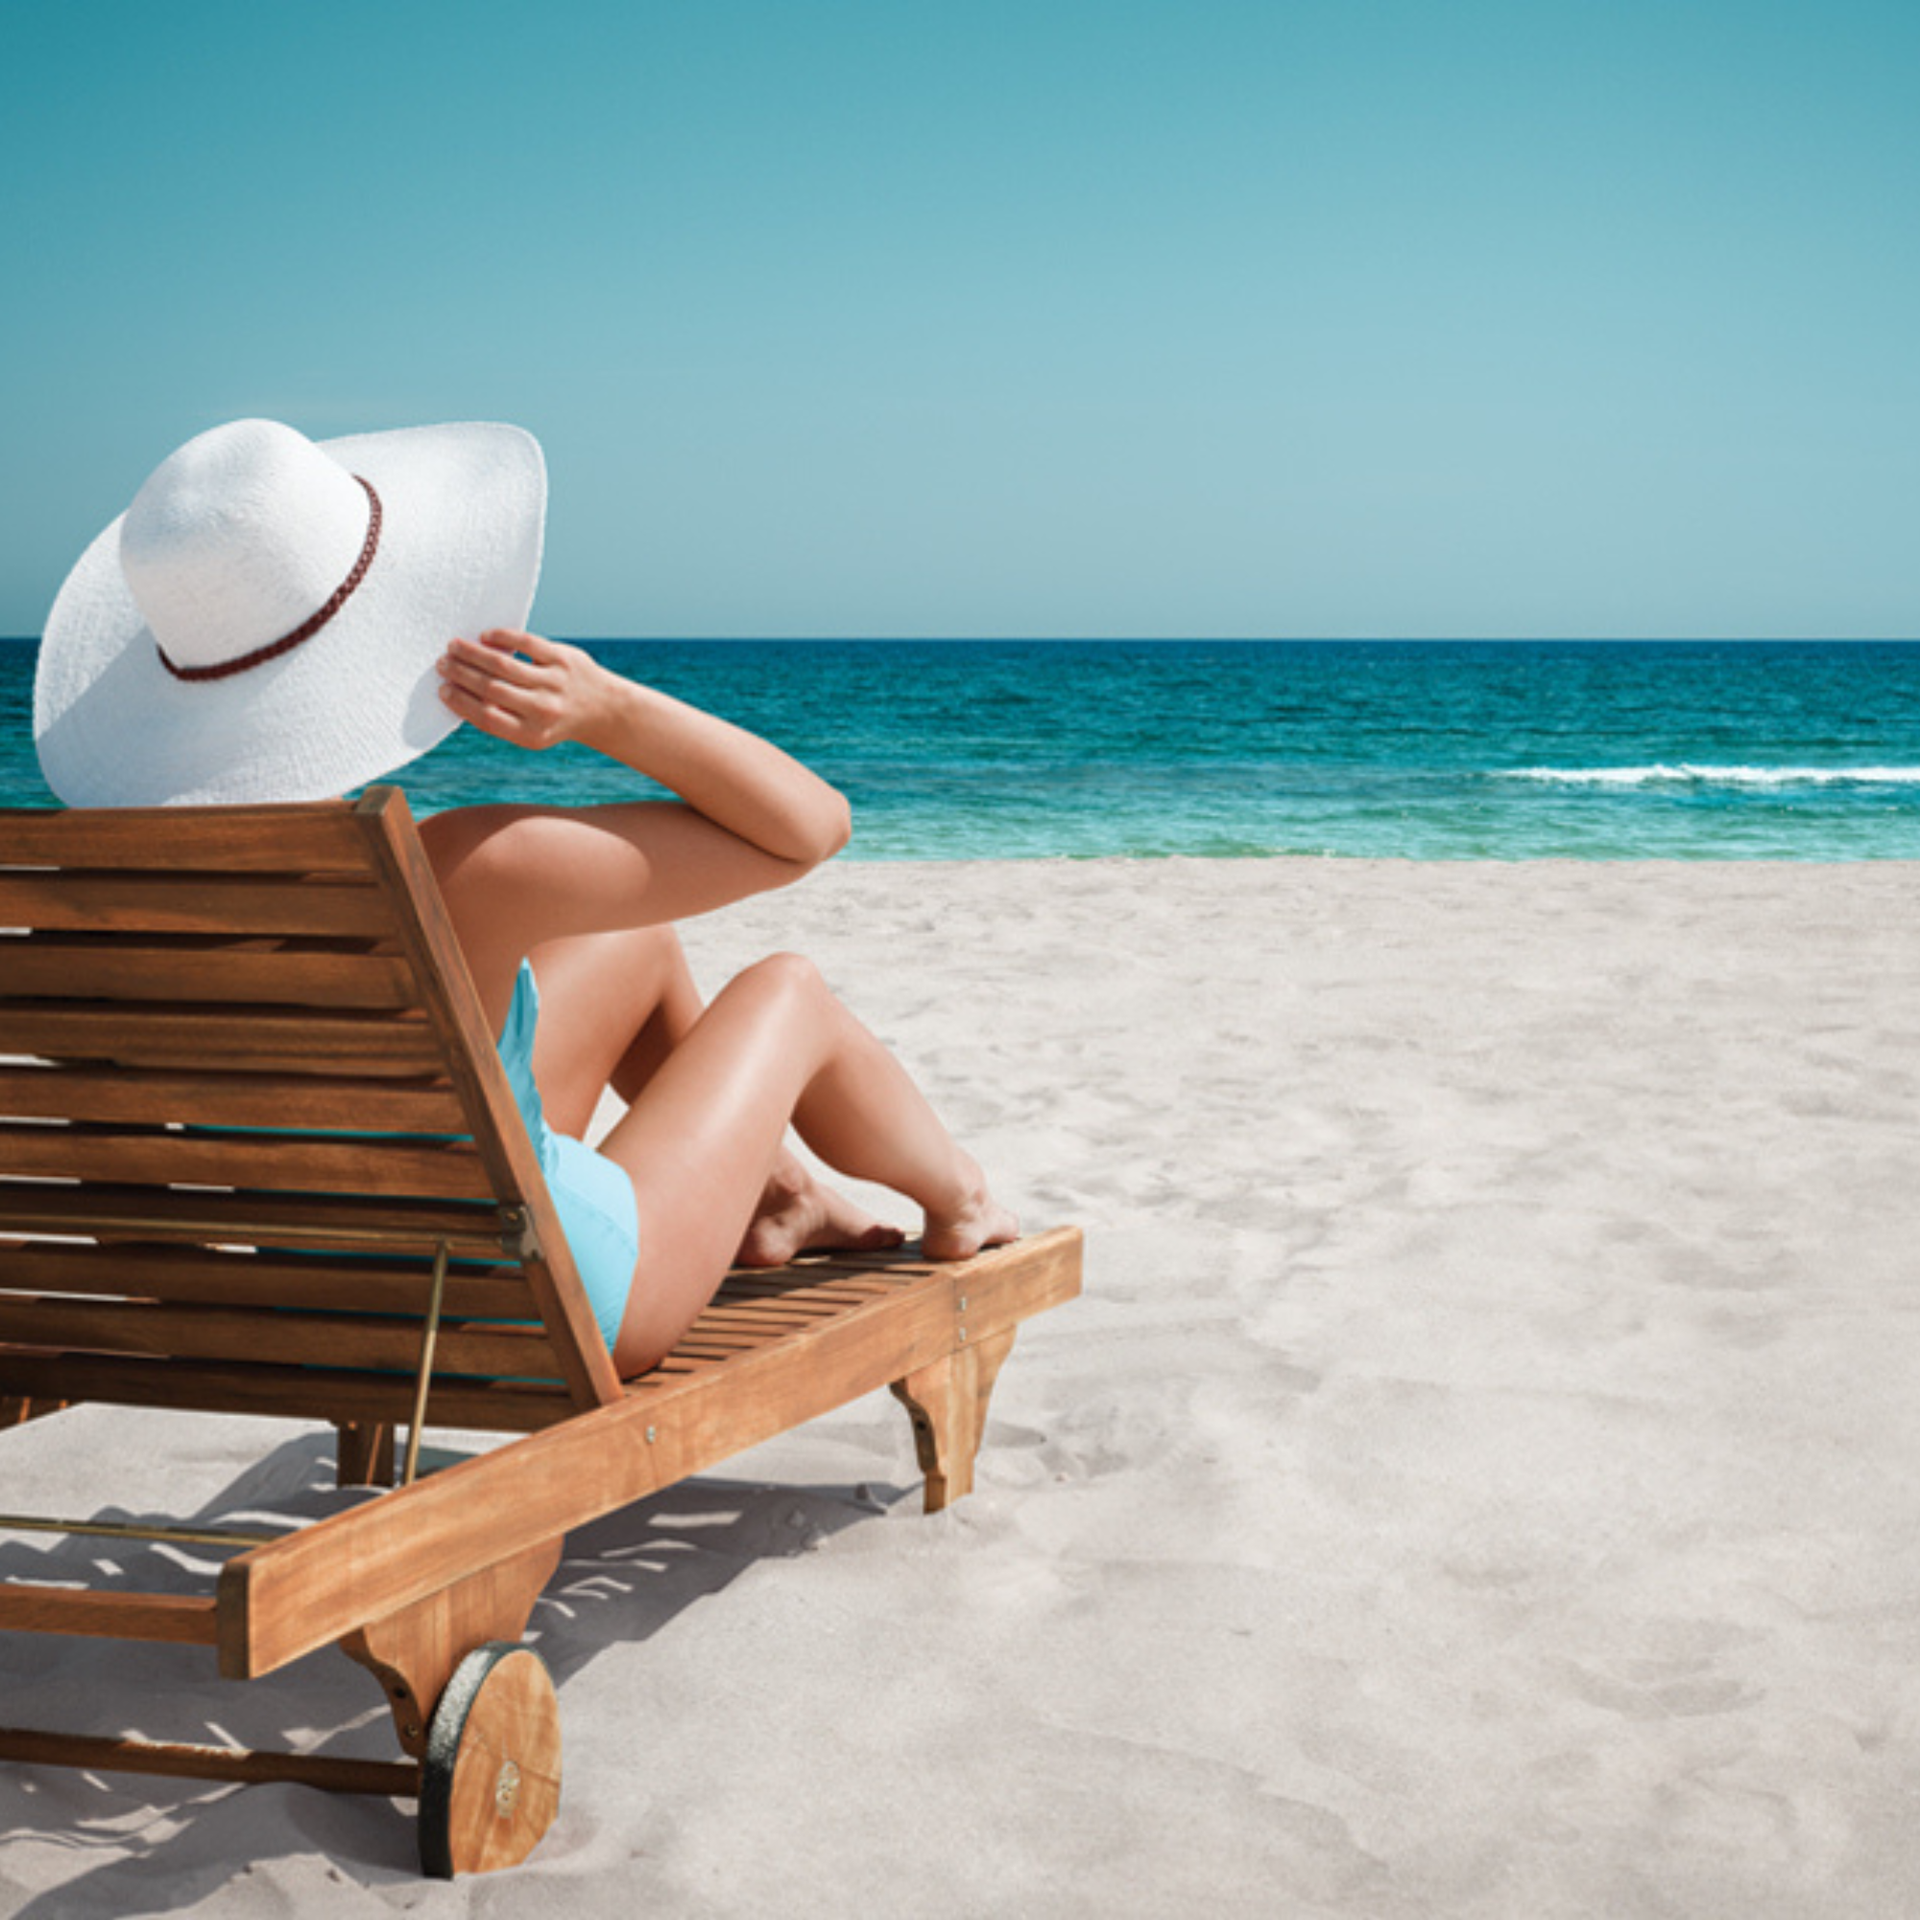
(948, 1405)
(413, 1653)
(365, 1454)
(16, 1412)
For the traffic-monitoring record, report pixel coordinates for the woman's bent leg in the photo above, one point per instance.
(614, 1007)
(706, 1130)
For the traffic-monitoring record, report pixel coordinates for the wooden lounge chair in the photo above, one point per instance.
(258, 1155)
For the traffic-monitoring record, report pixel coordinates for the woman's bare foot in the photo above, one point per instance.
(798, 1214)
(979, 1221)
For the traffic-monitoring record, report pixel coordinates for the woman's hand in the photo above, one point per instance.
(521, 688)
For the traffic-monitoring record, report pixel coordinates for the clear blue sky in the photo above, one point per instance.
(1291, 317)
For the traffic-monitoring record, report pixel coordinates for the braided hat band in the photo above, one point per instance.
(307, 628)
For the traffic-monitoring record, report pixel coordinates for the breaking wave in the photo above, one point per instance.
(1687, 774)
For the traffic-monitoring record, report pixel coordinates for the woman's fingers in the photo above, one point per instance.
(532, 691)
(476, 677)
(481, 713)
(498, 655)
(510, 640)
(488, 682)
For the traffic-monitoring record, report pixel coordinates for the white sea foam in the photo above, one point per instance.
(1687, 774)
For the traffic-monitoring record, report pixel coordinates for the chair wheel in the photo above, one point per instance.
(490, 1783)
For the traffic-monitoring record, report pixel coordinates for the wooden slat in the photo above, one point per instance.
(190, 903)
(445, 1172)
(772, 1326)
(286, 1599)
(312, 837)
(747, 1319)
(183, 1619)
(129, 969)
(834, 1270)
(707, 1353)
(273, 1336)
(714, 1345)
(395, 1046)
(765, 1326)
(800, 1303)
(208, 1277)
(762, 1300)
(420, 1105)
(257, 1220)
(290, 1393)
(705, 1334)
(804, 1277)
(814, 1283)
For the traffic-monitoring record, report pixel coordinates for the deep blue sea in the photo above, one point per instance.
(1427, 750)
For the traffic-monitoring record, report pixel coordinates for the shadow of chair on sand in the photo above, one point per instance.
(621, 1580)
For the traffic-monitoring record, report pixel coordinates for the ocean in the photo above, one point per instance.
(1421, 750)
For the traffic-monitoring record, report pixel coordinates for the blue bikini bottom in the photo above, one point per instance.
(593, 1196)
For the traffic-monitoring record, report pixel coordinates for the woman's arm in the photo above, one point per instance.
(537, 692)
(750, 817)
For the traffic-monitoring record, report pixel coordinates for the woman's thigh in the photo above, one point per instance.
(700, 1141)
(607, 1001)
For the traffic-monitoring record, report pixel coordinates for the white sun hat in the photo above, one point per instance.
(264, 621)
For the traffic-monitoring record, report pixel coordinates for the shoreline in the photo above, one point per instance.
(1475, 1481)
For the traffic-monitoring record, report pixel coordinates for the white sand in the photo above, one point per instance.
(1478, 1481)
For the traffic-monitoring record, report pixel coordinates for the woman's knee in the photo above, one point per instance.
(790, 975)
(783, 986)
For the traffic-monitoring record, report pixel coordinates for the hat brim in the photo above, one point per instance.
(463, 521)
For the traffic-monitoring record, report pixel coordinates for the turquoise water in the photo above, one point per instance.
(1423, 750)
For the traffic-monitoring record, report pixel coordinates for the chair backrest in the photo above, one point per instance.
(247, 1099)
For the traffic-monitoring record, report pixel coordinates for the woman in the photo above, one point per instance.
(590, 893)
(270, 621)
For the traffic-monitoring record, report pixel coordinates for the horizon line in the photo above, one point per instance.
(1209, 639)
